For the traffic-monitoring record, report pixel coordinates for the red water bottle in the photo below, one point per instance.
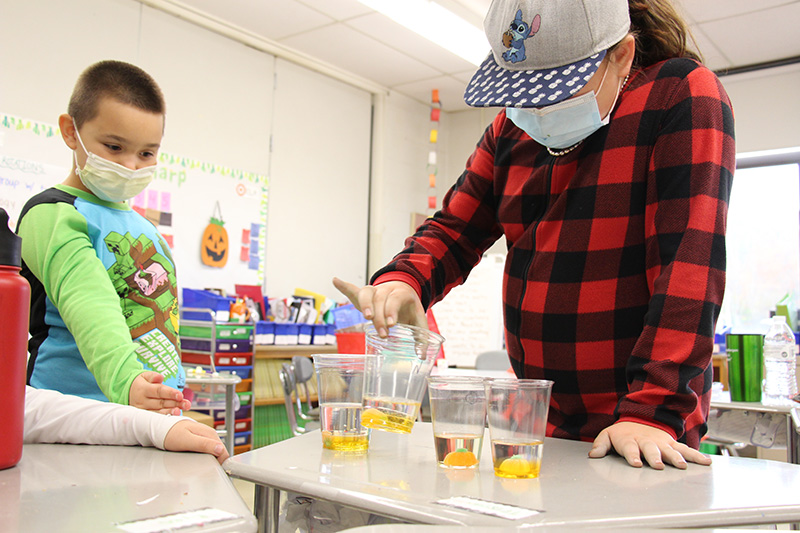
(15, 300)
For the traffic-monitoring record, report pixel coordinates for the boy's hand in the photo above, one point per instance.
(149, 393)
(634, 441)
(387, 304)
(191, 436)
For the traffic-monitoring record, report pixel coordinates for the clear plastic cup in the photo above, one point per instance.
(458, 414)
(517, 413)
(396, 376)
(340, 386)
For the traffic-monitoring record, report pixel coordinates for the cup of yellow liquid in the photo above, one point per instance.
(517, 414)
(396, 376)
(458, 414)
(340, 386)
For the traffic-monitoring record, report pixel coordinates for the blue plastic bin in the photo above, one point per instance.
(305, 334)
(202, 299)
(265, 332)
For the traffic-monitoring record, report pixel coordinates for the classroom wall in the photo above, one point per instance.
(325, 213)
(400, 181)
(765, 107)
(230, 104)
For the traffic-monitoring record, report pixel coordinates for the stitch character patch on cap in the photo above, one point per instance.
(515, 35)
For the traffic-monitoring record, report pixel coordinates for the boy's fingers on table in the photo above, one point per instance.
(672, 456)
(601, 446)
(647, 448)
(692, 455)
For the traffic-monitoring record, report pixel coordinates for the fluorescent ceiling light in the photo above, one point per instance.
(437, 24)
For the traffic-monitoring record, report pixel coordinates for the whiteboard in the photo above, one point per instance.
(470, 317)
(178, 201)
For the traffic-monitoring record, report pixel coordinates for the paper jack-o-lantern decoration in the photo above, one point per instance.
(214, 245)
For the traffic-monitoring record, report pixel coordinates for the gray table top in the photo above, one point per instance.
(86, 489)
(399, 478)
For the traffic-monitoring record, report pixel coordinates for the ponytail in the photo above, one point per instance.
(660, 33)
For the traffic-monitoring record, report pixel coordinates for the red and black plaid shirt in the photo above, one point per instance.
(616, 253)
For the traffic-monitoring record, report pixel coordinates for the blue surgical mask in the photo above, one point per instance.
(563, 124)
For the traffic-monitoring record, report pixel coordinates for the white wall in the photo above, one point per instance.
(223, 108)
(465, 129)
(400, 179)
(766, 108)
(317, 222)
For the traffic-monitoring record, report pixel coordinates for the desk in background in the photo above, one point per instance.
(756, 424)
(399, 478)
(87, 489)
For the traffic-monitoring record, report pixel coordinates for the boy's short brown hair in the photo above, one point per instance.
(121, 81)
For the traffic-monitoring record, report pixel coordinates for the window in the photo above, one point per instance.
(763, 241)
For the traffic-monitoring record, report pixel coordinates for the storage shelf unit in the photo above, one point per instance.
(226, 348)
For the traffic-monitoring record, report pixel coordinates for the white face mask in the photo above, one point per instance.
(563, 124)
(111, 181)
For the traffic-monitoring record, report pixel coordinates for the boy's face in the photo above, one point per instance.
(120, 133)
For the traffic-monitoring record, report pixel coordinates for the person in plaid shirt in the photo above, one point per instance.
(609, 171)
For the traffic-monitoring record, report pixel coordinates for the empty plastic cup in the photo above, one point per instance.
(396, 376)
(517, 413)
(340, 384)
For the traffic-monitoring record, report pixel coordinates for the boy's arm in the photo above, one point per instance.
(57, 249)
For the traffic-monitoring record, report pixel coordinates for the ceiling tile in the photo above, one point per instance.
(265, 18)
(465, 75)
(712, 57)
(710, 10)
(362, 55)
(757, 37)
(451, 92)
(338, 9)
(392, 34)
(351, 36)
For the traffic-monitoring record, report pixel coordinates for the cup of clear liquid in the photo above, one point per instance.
(396, 376)
(517, 414)
(458, 416)
(340, 386)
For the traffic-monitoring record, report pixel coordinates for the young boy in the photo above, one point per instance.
(52, 417)
(101, 326)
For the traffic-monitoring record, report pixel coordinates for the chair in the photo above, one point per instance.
(286, 375)
(493, 360)
(303, 373)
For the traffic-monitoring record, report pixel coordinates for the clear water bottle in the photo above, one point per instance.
(780, 381)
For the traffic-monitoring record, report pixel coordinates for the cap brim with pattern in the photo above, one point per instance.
(495, 86)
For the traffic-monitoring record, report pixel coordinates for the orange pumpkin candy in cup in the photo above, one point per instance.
(461, 458)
